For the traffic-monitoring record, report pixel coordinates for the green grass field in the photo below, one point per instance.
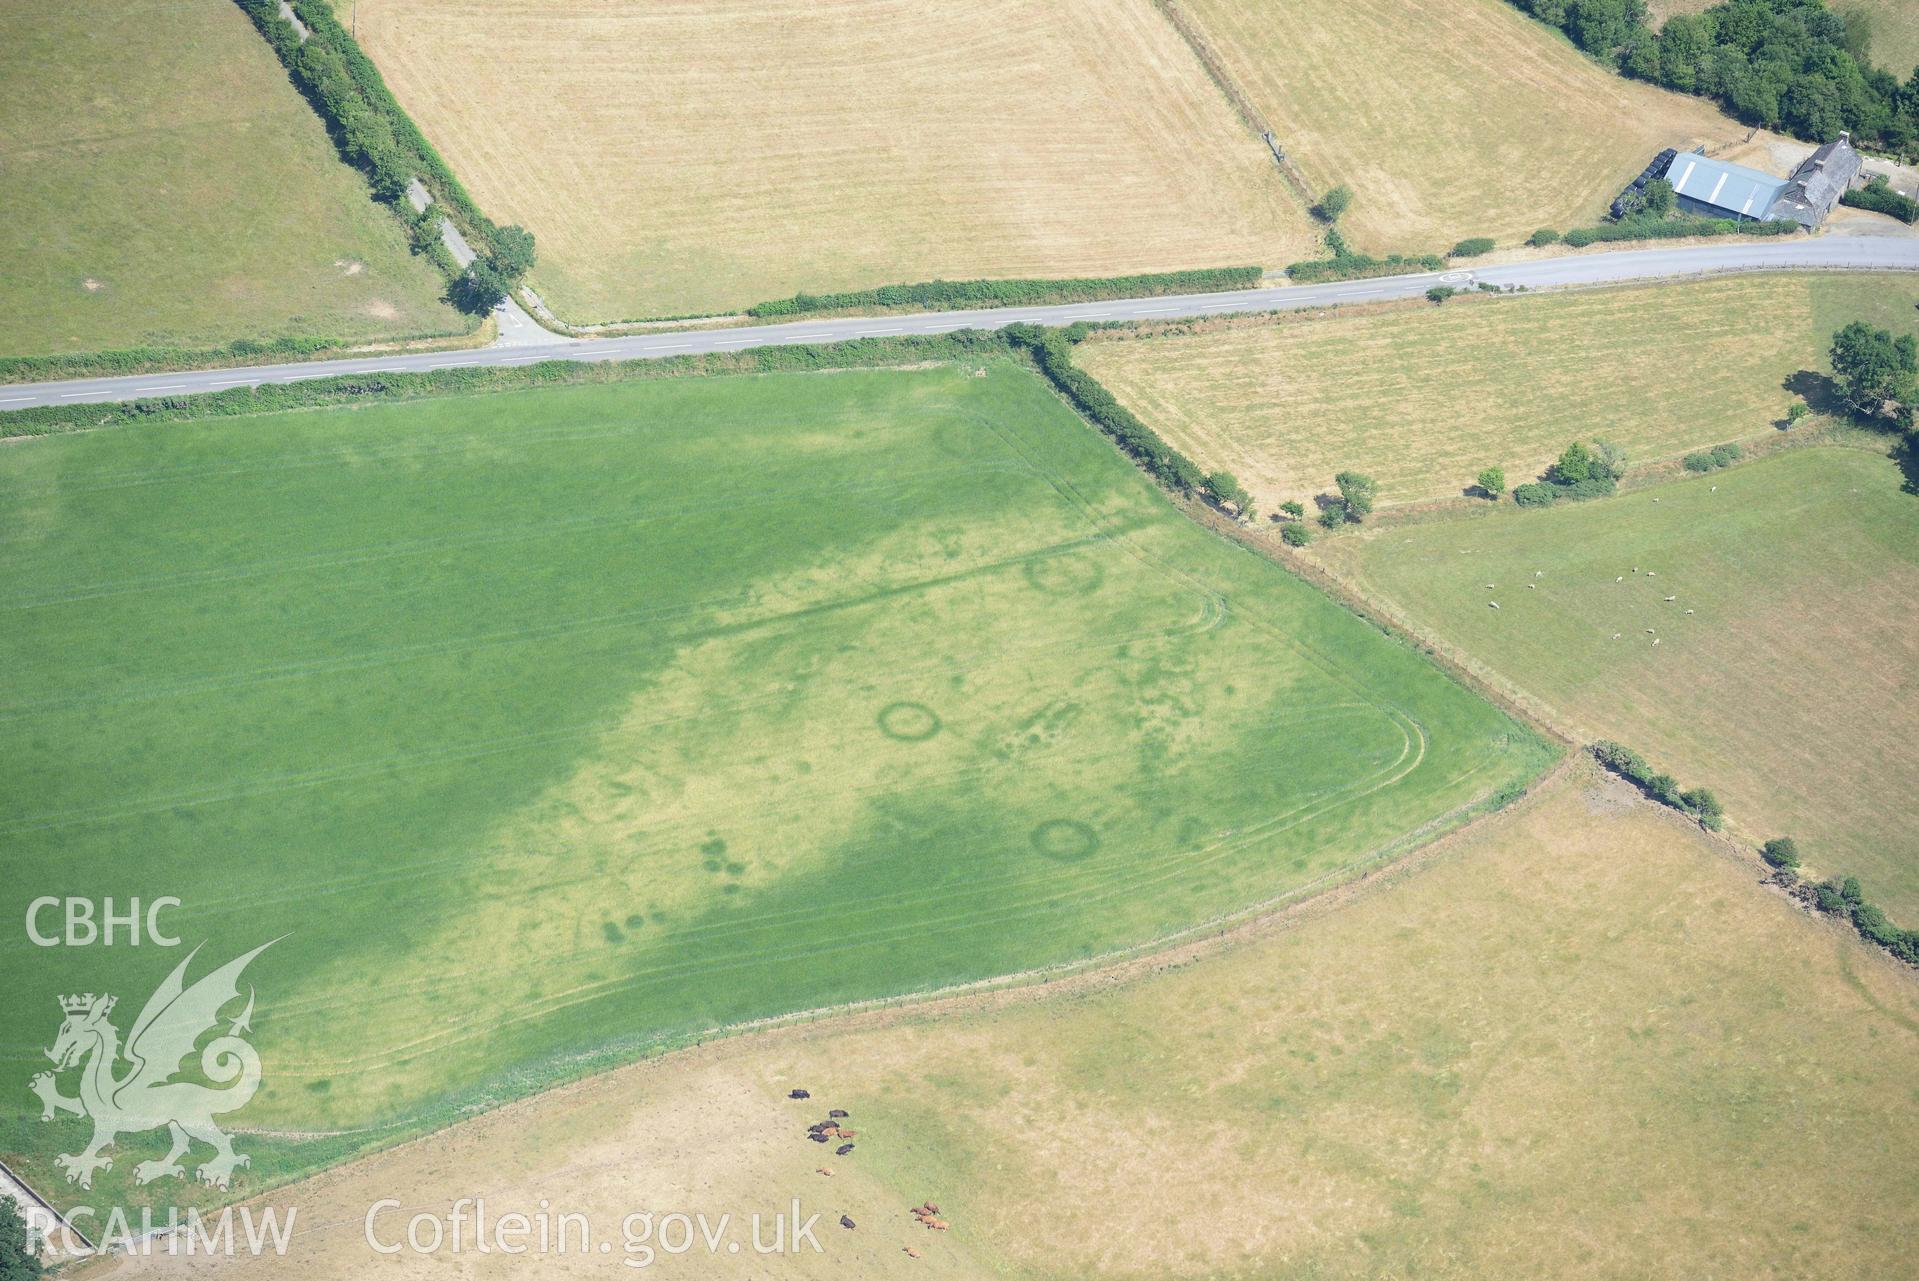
(166, 185)
(1424, 397)
(1787, 690)
(549, 725)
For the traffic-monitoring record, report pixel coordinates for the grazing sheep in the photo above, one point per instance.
(1689, 611)
(1493, 603)
(1620, 579)
(1672, 598)
(1615, 635)
(1655, 640)
(1649, 631)
(1651, 574)
(1532, 587)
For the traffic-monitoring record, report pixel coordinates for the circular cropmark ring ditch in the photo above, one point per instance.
(1070, 574)
(1065, 840)
(909, 722)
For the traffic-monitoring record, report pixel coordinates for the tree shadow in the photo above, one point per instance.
(1819, 391)
(1906, 454)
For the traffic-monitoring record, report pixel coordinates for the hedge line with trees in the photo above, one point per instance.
(1582, 471)
(1790, 65)
(1713, 459)
(1052, 351)
(943, 295)
(378, 137)
(1836, 897)
(1699, 803)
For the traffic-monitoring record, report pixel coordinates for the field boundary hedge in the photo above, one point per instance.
(1051, 350)
(943, 295)
(375, 388)
(146, 360)
(1834, 897)
(374, 133)
(1673, 229)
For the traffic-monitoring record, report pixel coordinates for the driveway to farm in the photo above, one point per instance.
(1855, 253)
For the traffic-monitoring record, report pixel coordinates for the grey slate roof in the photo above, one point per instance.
(1817, 184)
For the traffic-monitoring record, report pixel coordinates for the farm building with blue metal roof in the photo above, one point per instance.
(1718, 189)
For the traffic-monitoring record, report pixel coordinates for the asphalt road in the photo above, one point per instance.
(1880, 253)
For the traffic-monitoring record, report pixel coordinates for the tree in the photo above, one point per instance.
(1795, 411)
(1575, 464)
(1877, 373)
(512, 251)
(1543, 237)
(1226, 491)
(1357, 492)
(1781, 852)
(481, 287)
(1296, 535)
(1609, 460)
(1704, 806)
(1474, 248)
(18, 1259)
(1493, 481)
(1440, 293)
(1334, 203)
(1294, 508)
(1659, 198)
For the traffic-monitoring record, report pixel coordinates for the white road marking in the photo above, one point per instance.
(677, 346)
(74, 395)
(1154, 311)
(874, 333)
(14, 400)
(161, 387)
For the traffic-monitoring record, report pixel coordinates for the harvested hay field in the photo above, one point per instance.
(1783, 674)
(1422, 398)
(552, 726)
(164, 185)
(700, 156)
(1447, 118)
(1579, 1043)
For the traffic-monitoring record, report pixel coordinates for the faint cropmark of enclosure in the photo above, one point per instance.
(909, 722)
(146, 1096)
(1065, 840)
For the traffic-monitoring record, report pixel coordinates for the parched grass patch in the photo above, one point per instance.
(707, 155)
(165, 186)
(1781, 678)
(1423, 398)
(1447, 118)
(552, 726)
(1581, 1044)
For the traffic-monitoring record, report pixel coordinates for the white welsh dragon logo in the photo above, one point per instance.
(146, 1097)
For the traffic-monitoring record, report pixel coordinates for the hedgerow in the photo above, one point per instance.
(1051, 350)
(1674, 229)
(1839, 898)
(945, 295)
(964, 344)
(1879, 197)
(1713, 459)
(373, 130)
(1699, 803)
(1361, 267)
